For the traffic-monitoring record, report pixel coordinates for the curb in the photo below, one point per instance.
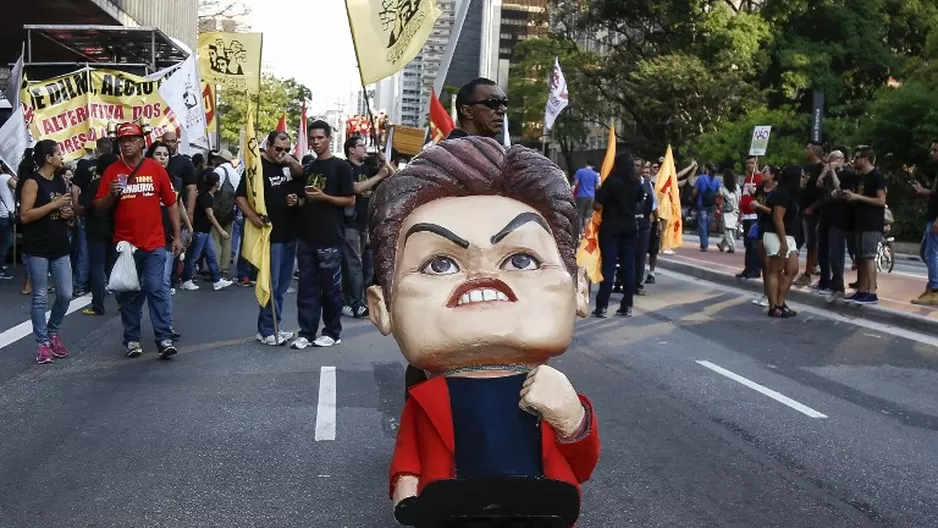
(879, 314)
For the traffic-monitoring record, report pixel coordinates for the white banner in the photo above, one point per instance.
(557, 99)
(14, 139)
(182, 91)
(12, 92)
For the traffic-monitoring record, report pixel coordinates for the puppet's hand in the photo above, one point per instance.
(548, 392)
(405, 487)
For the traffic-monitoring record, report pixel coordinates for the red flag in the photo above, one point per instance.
(441, 124)
(302, 140)
(282, 125)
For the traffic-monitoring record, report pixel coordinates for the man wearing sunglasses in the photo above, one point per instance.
(480, 107)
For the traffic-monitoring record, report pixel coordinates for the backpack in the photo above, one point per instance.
(709, 198)
(225, 202)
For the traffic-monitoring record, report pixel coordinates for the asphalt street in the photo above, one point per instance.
(710, 415)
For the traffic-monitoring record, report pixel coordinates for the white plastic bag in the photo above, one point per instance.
(124, 275)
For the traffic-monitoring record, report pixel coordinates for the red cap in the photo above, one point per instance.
(129, 130)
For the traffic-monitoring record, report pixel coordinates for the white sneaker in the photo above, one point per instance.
(270, 340)
(300, 343)
(291, 289)
(222, 284)
(286, 335)
(761, 301)
(172, 291)
(347, 311)
(325, 341)
(668, 252)
(188, 286)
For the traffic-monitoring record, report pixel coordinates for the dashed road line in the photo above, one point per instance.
(325, 409)
(777, 396)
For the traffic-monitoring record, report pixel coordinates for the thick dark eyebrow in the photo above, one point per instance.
(519, 221)
(437, 230)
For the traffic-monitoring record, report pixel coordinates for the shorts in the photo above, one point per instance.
(809, 223)
(773, 245)
(654, 242)
(868, 244)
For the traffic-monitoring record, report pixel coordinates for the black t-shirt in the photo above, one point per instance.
(619, 198)
(932, 210)
(278, 183)
(783, 198)
(493, 437)
(200, 223)
(841, 211)
(181, 173)
(48, 236)
(868, 217)
(359, 217)
(320, 222)
(761, 196)
(810, 193)
(97, 226)
(84, 174)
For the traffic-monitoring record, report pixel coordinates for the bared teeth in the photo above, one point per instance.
(484, 295)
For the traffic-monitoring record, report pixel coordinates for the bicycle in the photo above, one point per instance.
(885, 253)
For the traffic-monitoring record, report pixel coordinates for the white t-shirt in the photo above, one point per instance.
(7, 202)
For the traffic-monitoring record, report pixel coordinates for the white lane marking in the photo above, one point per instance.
(325, 410)
(777, 396)
(8, 337)
(865, 324)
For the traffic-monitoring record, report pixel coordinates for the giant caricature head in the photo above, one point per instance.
(475, 252)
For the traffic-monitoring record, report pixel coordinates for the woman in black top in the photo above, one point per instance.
(618, 199)
(45, 210)
(770, 177)
(779, 241)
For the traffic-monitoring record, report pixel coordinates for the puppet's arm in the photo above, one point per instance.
(405, 464)
(549, 393)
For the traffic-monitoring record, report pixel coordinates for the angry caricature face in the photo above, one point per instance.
(479, 280)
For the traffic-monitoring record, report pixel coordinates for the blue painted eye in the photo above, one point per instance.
(521, 262)
(440, 266)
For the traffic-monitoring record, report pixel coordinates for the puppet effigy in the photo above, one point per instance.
(475, 255)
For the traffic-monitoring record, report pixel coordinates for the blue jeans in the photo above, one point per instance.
(753, 267)
(823, 255)
(931, 256)
(617, 250)
(354, 252)
(319, 292)
(80, 254)
(704, 217)
(6, 239)
(153, 289)
(39, 269)
(201, 244)
(282, 257)
(101, 257)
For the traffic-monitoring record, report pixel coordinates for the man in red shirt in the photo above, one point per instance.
(131, 189)
(753, 179)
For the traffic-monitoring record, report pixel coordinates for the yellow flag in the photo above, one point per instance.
(256, 245)
(669, 203)
(232, 60)
(588, 256)
(388, 34)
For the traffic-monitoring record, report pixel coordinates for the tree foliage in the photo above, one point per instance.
(277, 96)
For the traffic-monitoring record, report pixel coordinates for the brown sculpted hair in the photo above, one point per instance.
(473, 166)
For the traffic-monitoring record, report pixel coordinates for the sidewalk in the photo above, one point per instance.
(895, 290)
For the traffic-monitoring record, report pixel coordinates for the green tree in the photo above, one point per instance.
(528, 89)
(277, 96)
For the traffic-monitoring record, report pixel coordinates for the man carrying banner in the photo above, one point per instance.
(133, 188)
(278, 169)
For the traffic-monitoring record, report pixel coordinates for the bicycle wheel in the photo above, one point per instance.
(890, 258)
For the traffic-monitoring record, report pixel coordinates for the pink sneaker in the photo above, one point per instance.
(44, 354)
(58, 348)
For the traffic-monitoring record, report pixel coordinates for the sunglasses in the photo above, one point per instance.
(492, 103)
(281, 149)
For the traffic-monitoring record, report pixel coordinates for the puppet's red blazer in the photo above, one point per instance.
(425, 441)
